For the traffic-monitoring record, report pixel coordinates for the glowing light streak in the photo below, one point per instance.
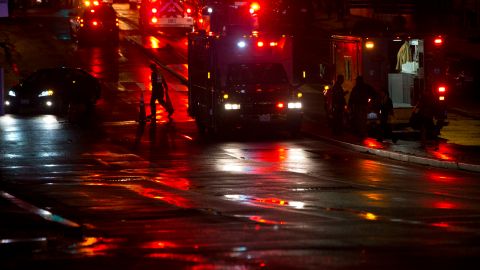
(259, 219)
(369, 216)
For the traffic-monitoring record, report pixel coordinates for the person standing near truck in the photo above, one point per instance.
(338, 105)
(159, 92)
(358, 106)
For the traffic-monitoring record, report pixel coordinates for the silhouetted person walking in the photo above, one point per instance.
(385, 115)
(159, 91)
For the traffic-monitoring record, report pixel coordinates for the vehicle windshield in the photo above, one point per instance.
(270, 73)
(42, 77)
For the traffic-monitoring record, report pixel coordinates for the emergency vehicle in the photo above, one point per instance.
(241, 80)
(167, 14)
(214, 15)
(407, 67)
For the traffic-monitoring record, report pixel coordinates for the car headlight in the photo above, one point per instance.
(12, 93)
(46, 93)
(232, 106)
(294, 105)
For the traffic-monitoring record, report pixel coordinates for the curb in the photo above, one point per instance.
(402, 156)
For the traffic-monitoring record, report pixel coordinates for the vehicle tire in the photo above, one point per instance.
(295, 129)
(216, 130)
(10, 110)
(61, 108)
(90, 108)
(200, 126)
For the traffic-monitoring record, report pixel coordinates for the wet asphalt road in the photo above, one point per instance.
(118, 194)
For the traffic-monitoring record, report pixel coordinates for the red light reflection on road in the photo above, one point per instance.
(442, 156)
(160, 245)
(178, 183)
(280, 202)
(372, 143)
(157, 194)
(272, 201)
(442, 178)
(94, 246)
(266, 221)
(444, 205)
(180, 257)
(375, 196)
(167, 197)
(441, 224)
(374, 170)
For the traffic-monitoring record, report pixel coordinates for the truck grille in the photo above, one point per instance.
(260, 108)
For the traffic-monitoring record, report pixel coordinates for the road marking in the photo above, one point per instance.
(47, 215)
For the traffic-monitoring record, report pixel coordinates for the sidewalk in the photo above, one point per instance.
(442, 155)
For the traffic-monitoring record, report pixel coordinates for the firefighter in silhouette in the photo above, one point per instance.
(159, 93)
(358, 106)
(385, 115)
(338, 105)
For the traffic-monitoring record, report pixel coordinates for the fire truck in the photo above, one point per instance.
(238, 80)
(214, 15)
(407, 67)
(167, 14)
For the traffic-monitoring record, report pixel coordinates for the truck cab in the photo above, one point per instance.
(240, 79)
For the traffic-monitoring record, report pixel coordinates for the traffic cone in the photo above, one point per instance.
(142, 115)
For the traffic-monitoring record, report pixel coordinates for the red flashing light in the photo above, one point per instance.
(154, 10)
(92, 10)
(94, 23)
(280, 105)
(438, 41)
(189, 10)
(273, 44)
(260, 44)
(442, 89)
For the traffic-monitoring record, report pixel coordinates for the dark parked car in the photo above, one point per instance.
(95, 23)
(53, 90)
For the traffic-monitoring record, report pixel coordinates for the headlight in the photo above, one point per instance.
(46, 93)
(232, 106)
(12, 93)
(294, 105)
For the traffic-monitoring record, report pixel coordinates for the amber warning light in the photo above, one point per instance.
(369, 45)
(254, 7)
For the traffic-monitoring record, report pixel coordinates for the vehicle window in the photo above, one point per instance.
(101, 12)
(256, 73)
(41, 76)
